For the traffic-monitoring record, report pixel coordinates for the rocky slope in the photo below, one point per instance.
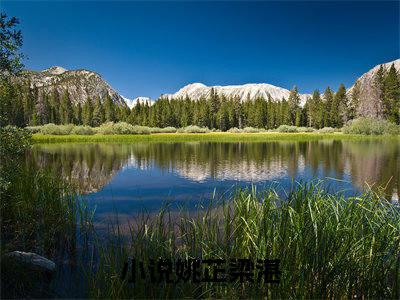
(250, 91)
(369, 104)
(80, 84)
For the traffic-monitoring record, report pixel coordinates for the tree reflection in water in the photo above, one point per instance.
(92, 166)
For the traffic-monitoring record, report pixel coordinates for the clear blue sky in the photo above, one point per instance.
(145, 49)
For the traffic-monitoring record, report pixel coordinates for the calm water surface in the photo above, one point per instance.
(131, 177)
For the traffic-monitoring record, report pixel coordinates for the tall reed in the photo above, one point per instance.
(329, 246)
(38, 214)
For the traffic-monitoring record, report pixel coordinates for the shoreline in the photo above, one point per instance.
(39, 138)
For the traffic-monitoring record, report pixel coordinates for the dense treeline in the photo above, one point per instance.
(22, 106)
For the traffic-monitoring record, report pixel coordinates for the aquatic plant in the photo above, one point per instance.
(38, 211)
(329, 246)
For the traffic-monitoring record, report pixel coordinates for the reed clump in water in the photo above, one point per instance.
(38, 214)
(329, 246)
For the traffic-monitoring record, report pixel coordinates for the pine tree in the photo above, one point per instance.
(391, 99)
(78, 114)
(214, 104)
(54, 107)
(124, 113)
(35, 118)
(379, 85)
(285, 113)
(45, 109)
(6, 95)
(294, 106)
(223, 115)
(28, 103)
(271, 113)
(326, 107)
(354, 101)
(312, 109)
(66, 111)
(259, 113)
(337, 112)
(87, 113)
(109, 109)
(98, 113)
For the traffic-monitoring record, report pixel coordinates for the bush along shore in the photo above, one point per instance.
(362, 126)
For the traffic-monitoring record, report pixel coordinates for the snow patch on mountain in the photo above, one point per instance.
(142, 100)
(244, 92)
(55, 70)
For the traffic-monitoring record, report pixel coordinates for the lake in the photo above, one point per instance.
(130, 178)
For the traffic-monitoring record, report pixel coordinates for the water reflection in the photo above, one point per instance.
(196, 167)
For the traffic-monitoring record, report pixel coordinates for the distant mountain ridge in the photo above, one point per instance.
(244, 92)
(84, 84)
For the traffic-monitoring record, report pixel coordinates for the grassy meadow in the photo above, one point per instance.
(123, 132)
(201, 137)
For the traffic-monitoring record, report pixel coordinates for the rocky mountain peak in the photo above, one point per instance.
(81, 84)
(55, 70)
(369, 103)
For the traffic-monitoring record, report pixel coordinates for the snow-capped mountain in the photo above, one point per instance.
(250, 91)
(132, 102)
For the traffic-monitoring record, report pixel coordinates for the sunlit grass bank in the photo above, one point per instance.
(199, 137)
(328, 246)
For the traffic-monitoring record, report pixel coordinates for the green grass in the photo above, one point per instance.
(199, 137)
(38, 214)
(329, 246)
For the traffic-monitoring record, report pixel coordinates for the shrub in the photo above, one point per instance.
(253, 130)
(235, 130)
(122, 128)
(56, 129)
(163, 130)
(327, 130)
(140, 130)
(193, 129)
(370, 126)
(13, 141)
(83, 130)
(33, 129)
(287, 128)
(105, 128)
(305, 129)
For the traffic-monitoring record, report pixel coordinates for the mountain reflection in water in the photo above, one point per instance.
(178, 170)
